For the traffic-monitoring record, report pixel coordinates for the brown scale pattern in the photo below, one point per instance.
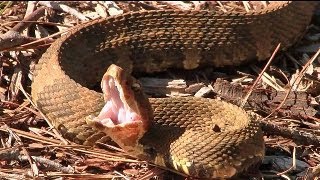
(204, 138)
(194, 142)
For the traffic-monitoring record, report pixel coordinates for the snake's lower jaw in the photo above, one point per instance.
(126, 135)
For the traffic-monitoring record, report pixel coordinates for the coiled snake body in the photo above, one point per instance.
(197, 136)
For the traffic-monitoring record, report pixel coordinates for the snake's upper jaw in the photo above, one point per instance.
(126, 114)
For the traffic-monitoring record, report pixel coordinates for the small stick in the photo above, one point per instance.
(9, 3)
(98, 153)
(38, 22)
(304, 69)
(260, 75)
(34, 167)
(12, 176)
(296, 135)
(178, 4)
(121, 175)
(222, 7)
(144, 5)
(36, 42)
(79, 176)
(18, 106)
(293, 167)
(14, 154)
(246, 5)
(35, 15)
(50, 164)
(9, 153)
(64, 8)
(32, 136)
(151, 173)
(13, 38)
(296, 79)
(264, 3)
(30, 8)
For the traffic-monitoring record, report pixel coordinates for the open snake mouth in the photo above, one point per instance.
(126, 114)
(116, 109)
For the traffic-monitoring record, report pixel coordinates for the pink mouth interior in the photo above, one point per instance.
(115, 111)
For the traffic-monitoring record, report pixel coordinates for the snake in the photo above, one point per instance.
(200, 137)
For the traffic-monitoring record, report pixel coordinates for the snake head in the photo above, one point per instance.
(126, 114)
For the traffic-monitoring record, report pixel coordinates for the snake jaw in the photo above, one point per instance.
(126, 113)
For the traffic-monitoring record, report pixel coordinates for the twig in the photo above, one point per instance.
(32, 136)
(121, 175)
(144, 5)
(14, 154)
(9, 153)
(151, 173)
(268, 79)
(80, 176)
(38, 22)
(260, 75)
(19, 105)
(264, 3)
(30, 8)
(111, 147)
(293, 167)
(37, 42)
(170, 169)
(112, 8)
(35, 15)
(13, 38)
(296, 79)
(98, 153)
(17, 77)
(275, 176)
(34, 168)
(246, 5)
(222, 7)
(12, 176)
(50, 164)
(296, 135)
(314, 118)
(198, 4)
(64, 8)
(178, 4)
(9, 3)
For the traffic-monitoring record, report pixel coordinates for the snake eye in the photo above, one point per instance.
(150, 150)
(136, 86)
